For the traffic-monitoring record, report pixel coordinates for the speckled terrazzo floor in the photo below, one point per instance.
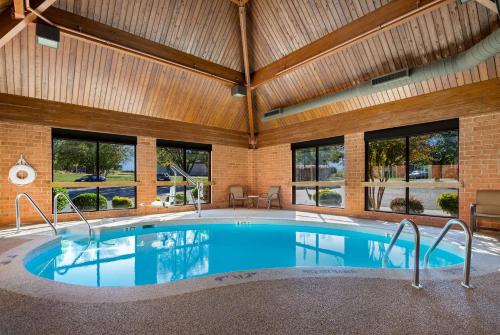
(299, 306)
(333, 305)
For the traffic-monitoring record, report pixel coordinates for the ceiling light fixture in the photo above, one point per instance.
(47, 35)
(238, 91)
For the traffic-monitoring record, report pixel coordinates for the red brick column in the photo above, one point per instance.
(34, 142)
(354, 146)
(479, 160)
(146, 172)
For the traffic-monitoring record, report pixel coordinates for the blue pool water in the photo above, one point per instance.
(159, 254)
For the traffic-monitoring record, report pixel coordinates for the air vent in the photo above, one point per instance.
(391, 77)
(273, 112)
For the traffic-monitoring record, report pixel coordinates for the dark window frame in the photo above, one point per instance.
(185, 146)
(316, 144)
(97, 138)
(407, 132)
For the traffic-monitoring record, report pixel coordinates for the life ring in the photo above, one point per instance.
(23, 167)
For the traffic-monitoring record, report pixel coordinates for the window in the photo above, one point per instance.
(82, 157)
(421, 163)
(318, 173)
(193, 158)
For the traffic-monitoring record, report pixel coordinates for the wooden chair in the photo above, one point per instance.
(487, 206)
(237, 193)
(273, 194)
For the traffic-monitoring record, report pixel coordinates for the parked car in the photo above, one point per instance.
(419, 174)
(162, 177)
(91, 179)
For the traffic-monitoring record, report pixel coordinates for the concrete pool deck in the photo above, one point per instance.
(307, 300)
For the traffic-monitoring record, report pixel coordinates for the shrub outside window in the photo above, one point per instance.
(420, 156)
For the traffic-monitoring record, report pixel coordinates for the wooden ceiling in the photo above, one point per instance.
(93, 75)
(433, 36)
(207, 29)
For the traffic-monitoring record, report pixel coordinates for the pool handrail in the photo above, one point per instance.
(56, 197)
(468, 248)
(416, 271)
(197, 184)
(35, 206)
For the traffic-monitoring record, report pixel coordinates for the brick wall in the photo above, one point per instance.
(258, 169)
(273, 166)
(479, 169)
(230, 166)
(479, 160)
(34, 142)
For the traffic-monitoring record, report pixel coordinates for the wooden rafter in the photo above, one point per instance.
(246, 62)
(386, 17)
(240, 2)
(19, 9)
(101, 34)
(10, 27)
(491, 5)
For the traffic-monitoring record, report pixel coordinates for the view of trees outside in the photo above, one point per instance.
(195, 162)
(93, 161)
(432, 157)
(305, 170)
(76, 160)
(328, 162)
(386, 163)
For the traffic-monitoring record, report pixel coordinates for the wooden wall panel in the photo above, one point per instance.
(85, 74)
(24, 110)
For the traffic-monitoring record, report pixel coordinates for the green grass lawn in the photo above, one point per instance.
(71, 177)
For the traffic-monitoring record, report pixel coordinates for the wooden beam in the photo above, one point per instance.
(386, 17)
(103, 35)
(22, 109)
(491, 5)
(10, 27)
(468, 100)
(246, 62)
(240, 2)
(19, 9)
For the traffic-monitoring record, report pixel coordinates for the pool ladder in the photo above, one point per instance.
(416, 272)
(35, 206)
(72, 206)
(468, 248)
(42, 214)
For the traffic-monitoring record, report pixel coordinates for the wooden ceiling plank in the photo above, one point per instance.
(10, 27)
(372, 24)
(488, 4)
(110, 37)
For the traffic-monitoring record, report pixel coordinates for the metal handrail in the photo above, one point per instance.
(468, 248)
(72, 206)
(190, 179)
(416, 270)
(33, 203)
